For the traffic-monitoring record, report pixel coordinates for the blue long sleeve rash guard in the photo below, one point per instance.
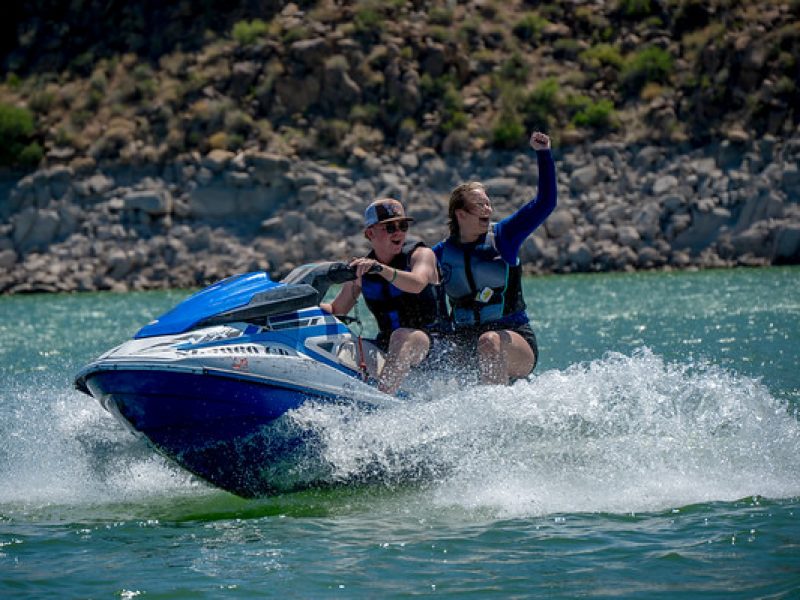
(513, 230)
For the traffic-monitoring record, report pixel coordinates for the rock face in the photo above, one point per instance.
(207, 217)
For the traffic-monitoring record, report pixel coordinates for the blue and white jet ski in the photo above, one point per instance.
(209, 383)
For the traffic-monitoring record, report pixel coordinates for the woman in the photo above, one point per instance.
(403, 295)
(482, 275)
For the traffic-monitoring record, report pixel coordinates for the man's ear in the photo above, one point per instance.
(369, 234)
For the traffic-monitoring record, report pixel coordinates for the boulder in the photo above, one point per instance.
(243, 74)
(787, 244)
(310, 53)
(215, 202)
(35, 229)
(584, 178)
(559, 223)
(703, 230)
(60, 180)
(790, 182)
(500, 186)
(663, 184)
(297, 94)
(269, 169)
(217, 160)
(8, 259)
(579, 255)
(755, 241)
(152, 202)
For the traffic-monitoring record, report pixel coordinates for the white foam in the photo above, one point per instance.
(63, 448)
(622, 434)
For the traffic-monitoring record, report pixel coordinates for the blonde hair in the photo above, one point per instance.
(458, 199)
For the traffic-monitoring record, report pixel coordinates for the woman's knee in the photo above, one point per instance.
(490, 342)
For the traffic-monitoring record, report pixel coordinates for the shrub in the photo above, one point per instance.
(31, 155)
(364, 113)
(599, 115)
(368, 18)
(440, 15)
(218, 141)
(515, 69)
(651, 64)
(508, 131)
(635, 9)
(247, 32)
(42, 101)
(530, 26)
(16, 128)
(541, 105)
(601, 55)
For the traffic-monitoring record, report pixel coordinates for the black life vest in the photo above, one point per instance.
(394, 308)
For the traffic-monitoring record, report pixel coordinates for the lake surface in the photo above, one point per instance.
(655, 453)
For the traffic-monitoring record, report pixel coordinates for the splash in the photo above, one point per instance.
(59, 448)
(621, 434)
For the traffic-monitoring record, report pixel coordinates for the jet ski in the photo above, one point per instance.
(209, 383)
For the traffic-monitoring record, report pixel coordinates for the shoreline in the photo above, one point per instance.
(86, 227)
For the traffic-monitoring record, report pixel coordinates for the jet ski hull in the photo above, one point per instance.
(229, 429)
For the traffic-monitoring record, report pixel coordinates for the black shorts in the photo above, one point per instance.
(462, 345)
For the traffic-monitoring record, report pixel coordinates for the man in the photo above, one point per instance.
(403, 295)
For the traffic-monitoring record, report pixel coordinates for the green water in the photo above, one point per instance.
(654, 454)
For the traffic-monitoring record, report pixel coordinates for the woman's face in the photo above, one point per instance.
(475, 216)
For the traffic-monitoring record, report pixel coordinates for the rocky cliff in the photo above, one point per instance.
(191, 140)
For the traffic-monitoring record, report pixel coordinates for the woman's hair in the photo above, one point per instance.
(457, 200)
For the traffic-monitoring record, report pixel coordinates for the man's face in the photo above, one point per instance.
(389, 237)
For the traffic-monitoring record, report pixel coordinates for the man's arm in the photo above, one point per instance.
(345, 300)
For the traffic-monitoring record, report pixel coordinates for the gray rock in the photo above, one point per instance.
(212, 202)
(559, 223)
(664, 184)
(311, 52)
(500, 186)
(41, 230)
(787, 244)
(627, 235)
(790, 182)
(268, 169)
(99, 184)
(755, 241)
(152, 202)
(436, 172)
(8, 258)
(60, 179)
(409, 160)
(238, 179)
(766, 205)
(579, 255)
(216, 160)
(703, 230)
(584, 178)
(649, 257)
(309, 178)
(307, 194)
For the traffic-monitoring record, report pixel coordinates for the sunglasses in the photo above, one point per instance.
(392, 227)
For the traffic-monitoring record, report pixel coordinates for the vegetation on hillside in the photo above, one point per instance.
(321, 79)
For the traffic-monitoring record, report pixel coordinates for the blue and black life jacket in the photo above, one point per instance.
(481, 286)
(394, 308)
